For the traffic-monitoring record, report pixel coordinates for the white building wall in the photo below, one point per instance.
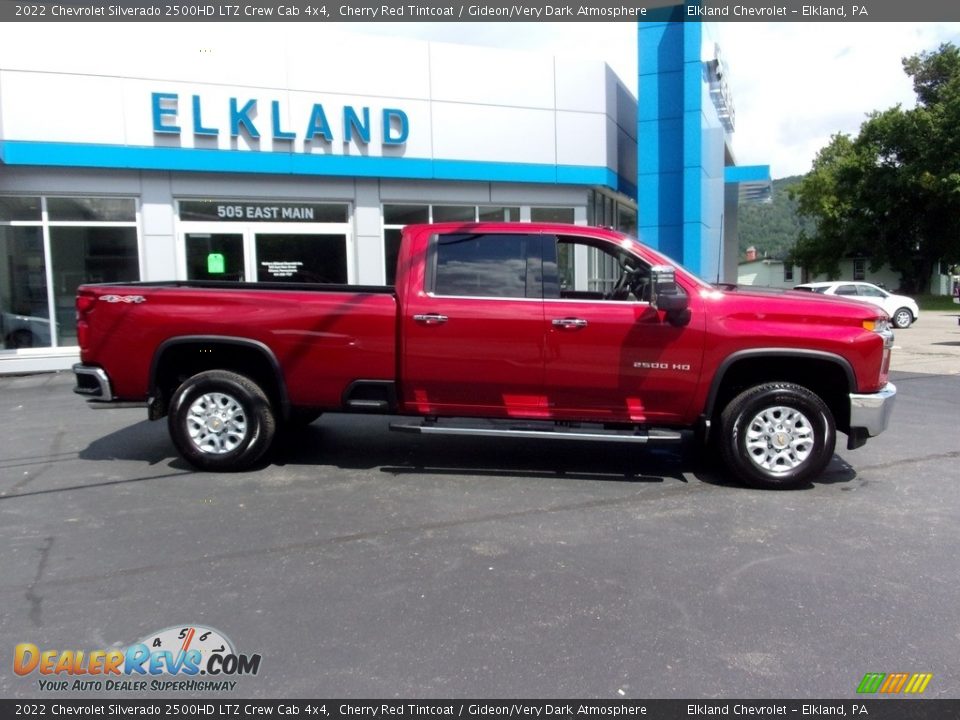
(463, 103)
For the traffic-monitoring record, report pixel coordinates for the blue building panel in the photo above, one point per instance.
(657, 197)
(660, 48)
(660, 96)
(685, 214)
(658, 146)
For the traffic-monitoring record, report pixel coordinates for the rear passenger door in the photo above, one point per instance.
(473, 337)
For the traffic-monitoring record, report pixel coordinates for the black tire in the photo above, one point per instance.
(21, 339)
(238, 421)
(794, 452)
(902, 318)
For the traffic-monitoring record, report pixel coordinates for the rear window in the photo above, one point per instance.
(482, 265)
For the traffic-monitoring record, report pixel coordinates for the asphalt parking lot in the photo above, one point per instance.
(363, 563)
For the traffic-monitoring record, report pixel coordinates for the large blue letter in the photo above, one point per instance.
(353, 123)
(159, 111)
(279, 134)
(318, 125)
(198, 128)
(404, 126)
(242, 117)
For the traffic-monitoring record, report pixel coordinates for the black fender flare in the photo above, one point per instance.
(755, 353)
(259, 347)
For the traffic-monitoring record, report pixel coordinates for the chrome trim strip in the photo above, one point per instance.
(542, 434)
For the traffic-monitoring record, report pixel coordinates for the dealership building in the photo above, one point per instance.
(303, 163)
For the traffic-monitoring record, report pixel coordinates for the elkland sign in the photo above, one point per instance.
(173, 114)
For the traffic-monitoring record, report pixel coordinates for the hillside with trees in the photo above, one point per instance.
(773, 227)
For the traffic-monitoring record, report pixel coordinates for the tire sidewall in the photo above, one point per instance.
(255, 406)
(896, 318)
(748, 405)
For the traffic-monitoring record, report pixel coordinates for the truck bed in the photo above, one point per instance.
(323, 337)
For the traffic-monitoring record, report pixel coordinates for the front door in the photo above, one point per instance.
(610, 356)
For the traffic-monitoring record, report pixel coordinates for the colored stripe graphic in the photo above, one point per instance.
(871, 682)
(918, 683)
(894, 683)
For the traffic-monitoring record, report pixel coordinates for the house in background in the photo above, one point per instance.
(775, 273)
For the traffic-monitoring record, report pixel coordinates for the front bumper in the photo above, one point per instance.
(870, 414)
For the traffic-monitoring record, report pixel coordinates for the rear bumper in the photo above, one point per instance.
(870, 412)
(93, 383)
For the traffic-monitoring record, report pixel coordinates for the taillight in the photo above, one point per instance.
(85, 303)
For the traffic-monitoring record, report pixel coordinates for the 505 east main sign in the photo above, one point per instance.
(171, 115)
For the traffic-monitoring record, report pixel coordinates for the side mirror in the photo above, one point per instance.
(668, 296)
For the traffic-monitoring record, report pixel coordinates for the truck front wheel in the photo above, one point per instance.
(777, 435)
(221, 421)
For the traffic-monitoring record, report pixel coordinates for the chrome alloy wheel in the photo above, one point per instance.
(216, 423)
(779, 439)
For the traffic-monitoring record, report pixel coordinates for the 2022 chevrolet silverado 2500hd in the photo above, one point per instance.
(497, 329)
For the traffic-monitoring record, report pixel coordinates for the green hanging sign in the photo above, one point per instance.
(216, 264)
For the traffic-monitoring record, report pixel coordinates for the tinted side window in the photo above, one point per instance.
(868, 291)
(480, 265)
(846, 290)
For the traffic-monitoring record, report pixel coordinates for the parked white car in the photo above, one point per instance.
(903, 311)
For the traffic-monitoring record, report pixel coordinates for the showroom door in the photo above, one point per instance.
(265, 242)
(286, 255)
(215, 256)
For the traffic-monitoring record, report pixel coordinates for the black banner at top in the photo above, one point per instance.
(478, 11)
(868, 708)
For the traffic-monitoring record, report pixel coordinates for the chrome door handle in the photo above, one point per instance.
(570, 323)
(431, 319)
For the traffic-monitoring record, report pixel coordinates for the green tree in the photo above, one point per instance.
(891, 194)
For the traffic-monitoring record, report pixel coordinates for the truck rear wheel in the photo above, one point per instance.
(777, 435)
(221, 421)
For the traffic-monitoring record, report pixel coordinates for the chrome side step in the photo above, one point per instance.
(560, 433)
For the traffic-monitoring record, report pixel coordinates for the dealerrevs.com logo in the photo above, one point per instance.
(180, 658)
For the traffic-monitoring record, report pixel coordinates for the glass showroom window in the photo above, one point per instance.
(395, 217)
(50, 246)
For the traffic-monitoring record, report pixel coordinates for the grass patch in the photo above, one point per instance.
(936, 302)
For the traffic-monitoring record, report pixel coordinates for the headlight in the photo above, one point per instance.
(877, 325)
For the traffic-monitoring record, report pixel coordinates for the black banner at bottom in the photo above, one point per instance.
(868, 708)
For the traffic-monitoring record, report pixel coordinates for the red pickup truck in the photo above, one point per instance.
(505, 329)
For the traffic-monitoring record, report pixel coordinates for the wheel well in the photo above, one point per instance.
(176, 361)
(826, 378)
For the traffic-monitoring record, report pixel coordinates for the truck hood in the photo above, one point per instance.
(771, 303)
